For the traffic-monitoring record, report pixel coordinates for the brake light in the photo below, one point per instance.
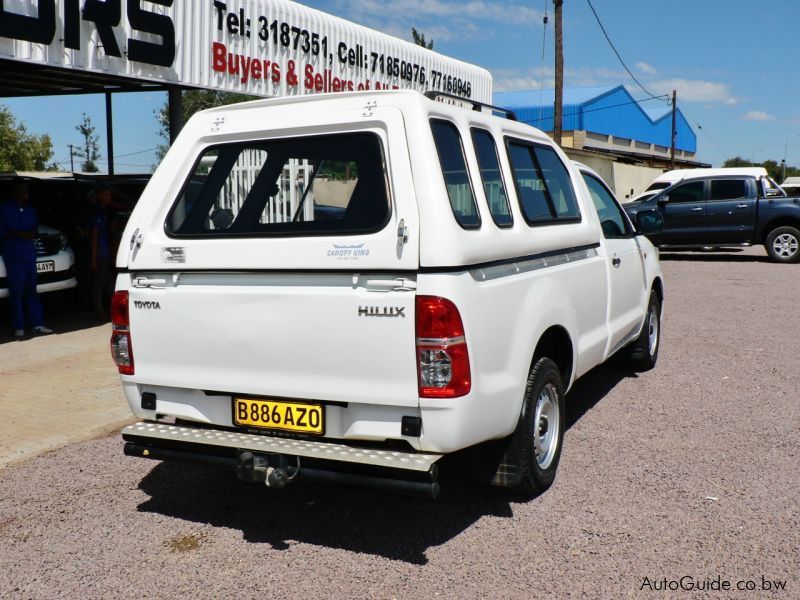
(121, 348)
(442, 356)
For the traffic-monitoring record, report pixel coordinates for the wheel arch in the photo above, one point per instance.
(658, 287)
(770, 226)
(556, 344)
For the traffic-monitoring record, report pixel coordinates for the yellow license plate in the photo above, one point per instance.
(279, 416)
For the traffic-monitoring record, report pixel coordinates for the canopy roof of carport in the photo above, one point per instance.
(27, 79)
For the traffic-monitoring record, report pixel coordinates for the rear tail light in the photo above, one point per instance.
(121, 349)
(442, 357)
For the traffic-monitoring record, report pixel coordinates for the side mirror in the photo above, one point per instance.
(649, 221)
(663, 200)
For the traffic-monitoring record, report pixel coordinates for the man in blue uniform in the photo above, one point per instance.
(100, 238)
(18, 228)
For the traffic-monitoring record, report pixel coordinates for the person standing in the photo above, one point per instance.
(100, 240)
(18, 228)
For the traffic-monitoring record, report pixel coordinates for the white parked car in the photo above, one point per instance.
(345, 288)
(791, 186)
(55, 263)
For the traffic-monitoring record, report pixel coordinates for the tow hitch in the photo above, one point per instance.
(272, 469)
(276, 472)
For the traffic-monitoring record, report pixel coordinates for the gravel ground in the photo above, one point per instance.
(689, 470)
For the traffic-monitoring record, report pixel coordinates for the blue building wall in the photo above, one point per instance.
(608, 111)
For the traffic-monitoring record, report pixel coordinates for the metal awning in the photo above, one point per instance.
(19, 79)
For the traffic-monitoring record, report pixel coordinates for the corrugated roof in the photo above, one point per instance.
(655, 110)
(608, 110)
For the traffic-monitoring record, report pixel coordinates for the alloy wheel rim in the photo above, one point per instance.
(546, 426)
(785, 245)
(652, 333)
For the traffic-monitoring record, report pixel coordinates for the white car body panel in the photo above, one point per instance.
(63, 261)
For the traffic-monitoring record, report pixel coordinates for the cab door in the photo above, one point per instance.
(684, 209)
(625, 270)
(731, 210)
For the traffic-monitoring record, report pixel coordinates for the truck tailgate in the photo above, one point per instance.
(340, 337)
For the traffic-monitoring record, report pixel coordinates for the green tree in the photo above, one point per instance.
(737, 161)
(193, 101)
(774, 168)
(20, 150)
(419, 39)
(89, 151)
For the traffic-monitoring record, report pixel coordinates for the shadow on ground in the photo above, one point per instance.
(61, 314)
(593, 387)
(395, 527)
(733, 255)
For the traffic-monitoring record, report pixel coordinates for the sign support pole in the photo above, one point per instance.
(109, 134)
(175, 112)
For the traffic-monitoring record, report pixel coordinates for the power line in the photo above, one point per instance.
(614, 48)
(135, 153)
(700, 127)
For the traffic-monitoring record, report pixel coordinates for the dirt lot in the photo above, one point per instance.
(690, 470)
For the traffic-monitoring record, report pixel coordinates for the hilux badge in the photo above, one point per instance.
(382, 311)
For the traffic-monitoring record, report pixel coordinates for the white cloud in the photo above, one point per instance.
(437, 19)
(712, 93)
(695, 90)
(757, 115)
(534, 78)
(515, 14)
(513, 84)
(646, 69)
(510, 80)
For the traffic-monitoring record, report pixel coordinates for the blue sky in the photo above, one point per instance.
(733, 62)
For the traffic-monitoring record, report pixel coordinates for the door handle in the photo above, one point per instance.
(697, 209)
(742, 206)
(616, 261)
(387, 285)
(147, 282)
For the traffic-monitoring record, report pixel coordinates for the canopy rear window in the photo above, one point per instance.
(321, 185)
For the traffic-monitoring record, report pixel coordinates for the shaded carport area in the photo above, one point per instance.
(63, 200)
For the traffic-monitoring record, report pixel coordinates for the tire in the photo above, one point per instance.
(537, 441)
(642, 354)
(783, 245)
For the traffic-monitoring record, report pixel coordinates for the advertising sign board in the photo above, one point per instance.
(259, 47)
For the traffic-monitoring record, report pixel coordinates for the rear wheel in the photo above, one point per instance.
(783, 244)
(540, 432)
(642, 354)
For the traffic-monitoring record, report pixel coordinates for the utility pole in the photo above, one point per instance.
(71, 163)
(674, 130)
(558, 108)
(785, 152)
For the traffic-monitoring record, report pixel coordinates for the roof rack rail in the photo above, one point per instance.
(476, 106)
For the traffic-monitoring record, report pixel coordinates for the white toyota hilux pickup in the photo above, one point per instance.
(348, 287)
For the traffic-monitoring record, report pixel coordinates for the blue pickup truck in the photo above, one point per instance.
(726, 207)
